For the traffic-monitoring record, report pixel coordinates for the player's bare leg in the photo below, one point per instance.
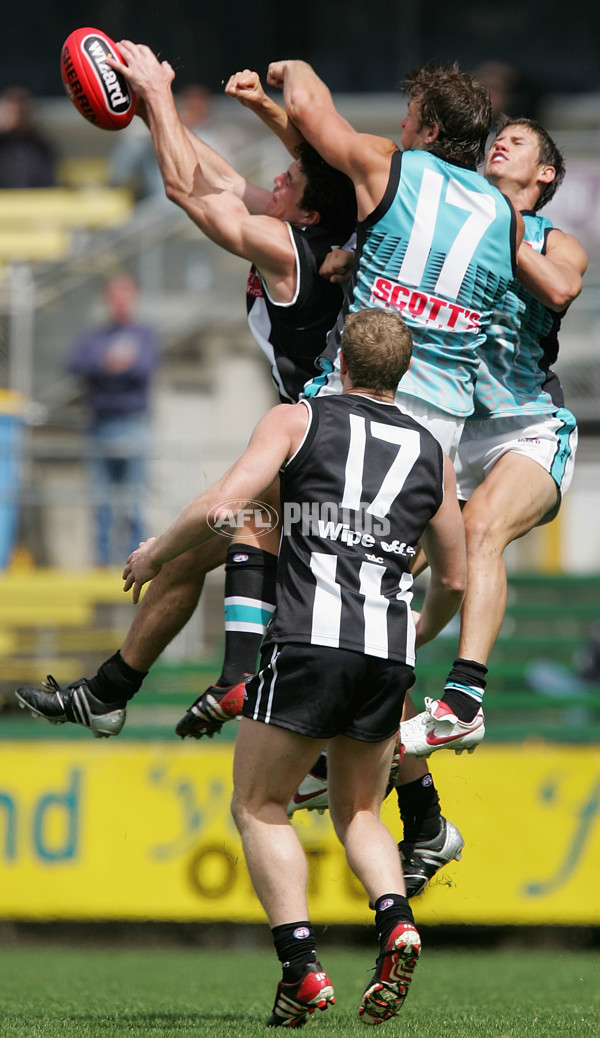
(169, 602)
(512, 499)
(268, 764)
(358, 778)
(358, 775)
(429, 842)
(250, 583)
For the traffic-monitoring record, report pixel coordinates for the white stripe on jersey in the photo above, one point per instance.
(405, 595)
(375, 610)
(327, 605)
(259, 323)
(353, 476)
(426, 214)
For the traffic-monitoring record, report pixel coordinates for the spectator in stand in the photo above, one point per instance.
(116, 362)
(27, 159)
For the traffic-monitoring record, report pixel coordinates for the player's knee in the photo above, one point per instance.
(482, 530)
(239, 811)
(344, 814)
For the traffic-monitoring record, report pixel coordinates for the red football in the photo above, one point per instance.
(102, 96)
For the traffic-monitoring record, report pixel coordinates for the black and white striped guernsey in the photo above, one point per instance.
(356, 497)
(292, 335)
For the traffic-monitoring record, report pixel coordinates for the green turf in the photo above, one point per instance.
(46, 993)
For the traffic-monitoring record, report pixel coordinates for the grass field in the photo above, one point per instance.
(171, 993)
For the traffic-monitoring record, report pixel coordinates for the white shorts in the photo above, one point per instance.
(446, 428)
(550, 440)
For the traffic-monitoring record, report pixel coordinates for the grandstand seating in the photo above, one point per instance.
(38, 225)
(67, 623)
(55, 619)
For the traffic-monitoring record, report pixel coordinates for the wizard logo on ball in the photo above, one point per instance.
(114, 86)
(102, 96)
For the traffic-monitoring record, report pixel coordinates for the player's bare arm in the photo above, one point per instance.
(276, 437)
(183, 158)
(555, 278)
(363, 157)
(218, 211)
(444, 544)
(247, 88)
(262, 240)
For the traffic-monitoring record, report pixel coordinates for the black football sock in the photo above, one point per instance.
(116, 680)
(419, 805)
(464, 688)
(391, 909)
(295, 947)
(249, 605)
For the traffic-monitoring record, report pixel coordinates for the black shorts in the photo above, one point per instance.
(322, 692)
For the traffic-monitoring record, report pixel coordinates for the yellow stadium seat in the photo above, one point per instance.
(64, 208)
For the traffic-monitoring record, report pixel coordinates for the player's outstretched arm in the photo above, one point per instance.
(363, 157)
(556, 277)
(275, 438)
(195, 176)
(247, 88)
(444, 544)
(186, 163)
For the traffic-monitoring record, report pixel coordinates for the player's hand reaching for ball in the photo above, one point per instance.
(142, 69)
(140, 568)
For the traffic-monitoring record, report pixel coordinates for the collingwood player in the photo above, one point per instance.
(340, 649)
(285, 234)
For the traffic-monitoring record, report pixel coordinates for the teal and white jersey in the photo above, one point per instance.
(440, 249)
(520, 345)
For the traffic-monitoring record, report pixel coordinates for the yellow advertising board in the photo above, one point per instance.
(143, 831)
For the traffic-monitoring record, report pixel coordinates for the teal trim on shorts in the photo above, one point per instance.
(564, 450)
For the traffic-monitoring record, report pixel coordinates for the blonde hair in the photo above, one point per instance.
(377, 347)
